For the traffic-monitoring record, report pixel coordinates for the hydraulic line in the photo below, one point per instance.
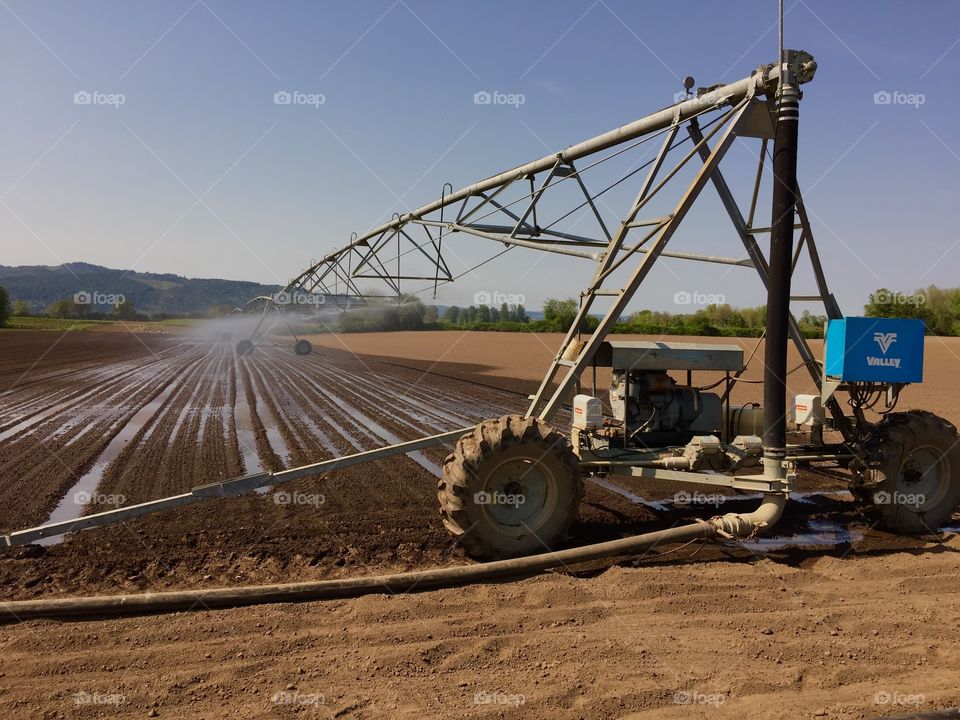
(727, 526)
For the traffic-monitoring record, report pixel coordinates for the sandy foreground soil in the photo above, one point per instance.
(837, 620)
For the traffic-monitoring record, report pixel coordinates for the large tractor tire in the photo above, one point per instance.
(912, 481)
(512, 487)
(244, 347)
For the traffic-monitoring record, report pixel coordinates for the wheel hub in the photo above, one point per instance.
(924, 479)
(518, 495)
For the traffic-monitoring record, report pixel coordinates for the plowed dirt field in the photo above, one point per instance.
(830, 617)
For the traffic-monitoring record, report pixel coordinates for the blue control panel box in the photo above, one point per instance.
(861, 349)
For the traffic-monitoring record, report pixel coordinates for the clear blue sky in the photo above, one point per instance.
(199, 172)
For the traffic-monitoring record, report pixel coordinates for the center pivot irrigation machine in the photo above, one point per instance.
(266, 304)
(656, 426)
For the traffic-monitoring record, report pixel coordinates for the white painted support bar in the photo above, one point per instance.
(225, 488)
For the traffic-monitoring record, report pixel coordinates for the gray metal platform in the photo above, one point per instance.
(646, 355)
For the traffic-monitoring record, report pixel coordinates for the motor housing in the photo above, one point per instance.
(653, 402)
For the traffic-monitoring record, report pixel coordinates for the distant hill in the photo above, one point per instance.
(41, 285)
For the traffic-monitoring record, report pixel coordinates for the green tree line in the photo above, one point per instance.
(70, 309)
(939, 308)
(409, 313)
(458, 317)
(713, 320)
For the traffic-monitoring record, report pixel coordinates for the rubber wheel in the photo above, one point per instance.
(244, 347)
(303, 347)
(512, 487)
(912, 482)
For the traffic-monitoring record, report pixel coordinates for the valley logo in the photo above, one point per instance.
(884, 340)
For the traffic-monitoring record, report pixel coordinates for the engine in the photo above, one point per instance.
(656, 410)
(657, 421)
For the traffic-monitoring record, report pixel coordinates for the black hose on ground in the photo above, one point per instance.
(187, 600)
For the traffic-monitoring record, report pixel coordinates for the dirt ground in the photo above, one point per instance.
(829, 618)
(519, 360)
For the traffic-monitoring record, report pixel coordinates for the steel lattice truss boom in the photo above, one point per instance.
(517, 208)
(483, 210)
